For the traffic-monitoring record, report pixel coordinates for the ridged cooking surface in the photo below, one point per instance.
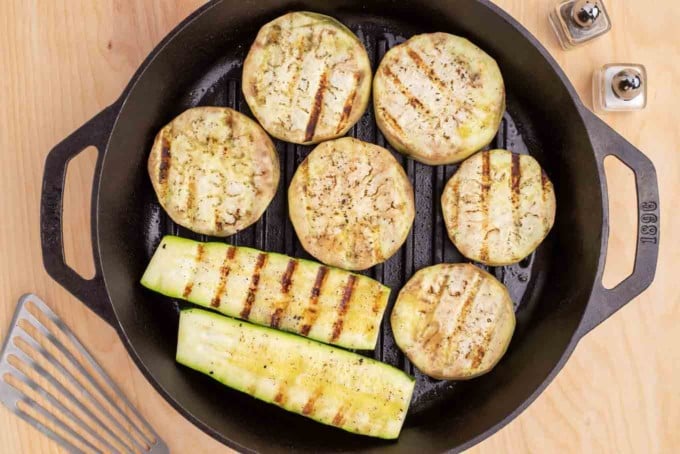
(427, 243)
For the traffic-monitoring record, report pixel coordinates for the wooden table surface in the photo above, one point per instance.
(62, 61)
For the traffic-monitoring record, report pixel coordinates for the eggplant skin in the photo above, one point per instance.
(307, 78)
(327, 384)
(498, 207)
(453, 321)
(438, 98)
(214, 170)
(351, 204)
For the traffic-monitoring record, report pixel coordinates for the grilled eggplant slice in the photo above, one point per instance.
(498, 207)
(327, 384)
(214, 170)
(351, 204)
(326, 304)
(453, 321)
(438, 98)
(307, 78)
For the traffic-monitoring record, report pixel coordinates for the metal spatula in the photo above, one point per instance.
(49, 379)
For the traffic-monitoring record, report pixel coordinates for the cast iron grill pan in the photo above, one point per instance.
(427, 243)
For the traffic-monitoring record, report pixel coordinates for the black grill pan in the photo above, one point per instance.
(557, 291)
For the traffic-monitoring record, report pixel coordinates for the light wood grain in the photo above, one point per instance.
(62, 61)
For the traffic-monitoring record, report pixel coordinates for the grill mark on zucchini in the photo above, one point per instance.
(349, 102)
(286, 281)
(311, 313)
(339, 417)
(317, 105)
(280, 398)
(484, 204)
(254, 282)
(199, 257)
(225, 269)
(343, 307)
(377, 302)
(429, 72)
(412, 99)
(309, 406)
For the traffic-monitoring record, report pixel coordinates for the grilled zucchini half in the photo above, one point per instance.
(326, 304)
(438, 98)
(453, 321)
(327, 384)
(214, 170)
(351, 204)
(307, 78)
(498, 207)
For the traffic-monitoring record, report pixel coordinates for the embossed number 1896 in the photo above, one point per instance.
(648, 223)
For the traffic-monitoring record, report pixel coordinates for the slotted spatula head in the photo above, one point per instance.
(49, 379)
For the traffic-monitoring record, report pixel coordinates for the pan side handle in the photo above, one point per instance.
(95, 133)
(604, 302)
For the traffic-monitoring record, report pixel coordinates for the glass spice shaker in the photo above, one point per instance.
(620, 87)
(576, 22)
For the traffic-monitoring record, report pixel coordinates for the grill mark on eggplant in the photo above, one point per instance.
(467, 307)
(200, 249)
(343, 307)
(349, 102)
(456, 205)
(254, 282)
(164, 164)
(412, 99)
(392, 121)
(225, 269)
(428, 71)
(515, 180)
(477, 353)
(312, 312)
(484, 204)
(545, 189)
(286, 281)
(432, 312)
(317, 105)
(190, 206)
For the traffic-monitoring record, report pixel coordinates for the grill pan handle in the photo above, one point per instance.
(607, 142)
(92, 292)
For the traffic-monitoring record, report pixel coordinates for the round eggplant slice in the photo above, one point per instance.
(453, 321)
(498, 207)
(438, 98)
(214, 170)
(351, 204)
(307, 78)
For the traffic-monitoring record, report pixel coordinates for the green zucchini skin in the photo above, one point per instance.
(300, 296)
(322, 382)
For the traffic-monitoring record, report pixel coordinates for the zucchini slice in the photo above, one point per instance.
(304, 297)
(324, 383)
